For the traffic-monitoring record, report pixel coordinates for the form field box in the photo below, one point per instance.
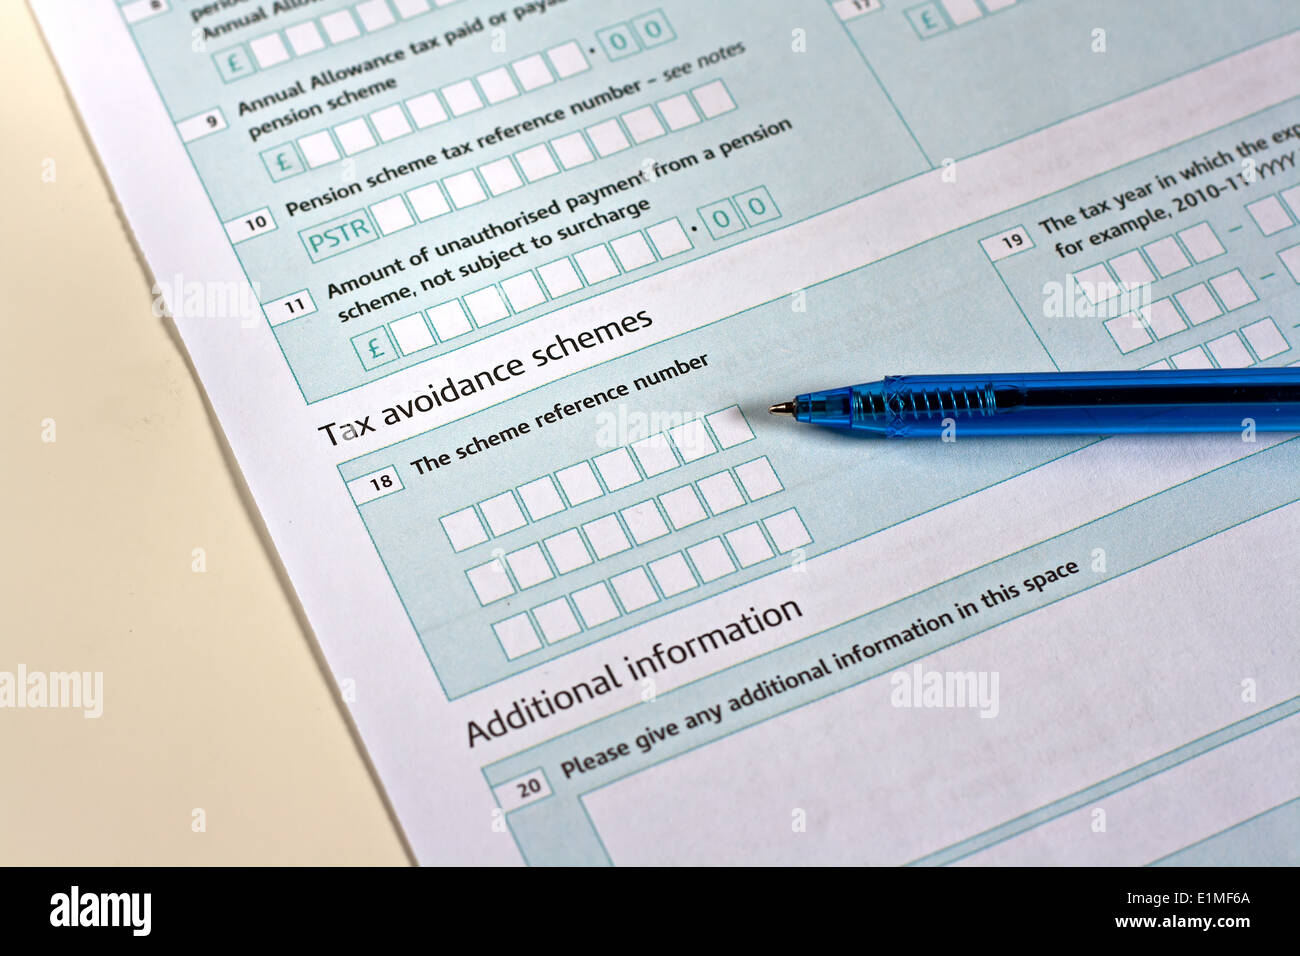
(579, 483)
(377, 484)
(556, 620)
(516, 636)
(463, 529)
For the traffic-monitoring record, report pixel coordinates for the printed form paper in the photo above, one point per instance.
(490, 300)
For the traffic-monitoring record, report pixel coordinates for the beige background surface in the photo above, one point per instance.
(214, 694)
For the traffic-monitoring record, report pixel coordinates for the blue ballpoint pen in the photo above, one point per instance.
(1059, 403)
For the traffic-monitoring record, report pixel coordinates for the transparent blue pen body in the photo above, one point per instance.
(1057, 403)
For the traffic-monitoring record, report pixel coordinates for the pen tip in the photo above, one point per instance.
(782, 408)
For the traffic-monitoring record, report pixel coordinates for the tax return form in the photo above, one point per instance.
(490, 300)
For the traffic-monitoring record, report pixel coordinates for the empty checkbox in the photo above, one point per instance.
(633, 251)
(730, 426)
(678, 112)
(692, 440)
(1163, 318)
(1291, 259)
(672, 574)
(426, 110)
(374, 15)
(1166, 256)
(567, 551)
(411, 8)
(486, 306)
(1292, 198)
(713, 99)
(616, 469)
(502, 513)
(1269, 215)
(634, 589)
(559, 277)
(720, 492)
(500, 176)
(1201, 242)
(644, 522)
(269, 50)
(1096, 284)
(682, 506)
(536, 163)
(461, 98)
(304, 38)
(531, 72)
(490, 582)
(572, 150)
(1192, 358)
(596, 264)
(523, 291)
(464, 189)
(448, 320)
(669, 238)
(390, 123)
(787, 531)
(556, 620)
(567, 60)
(529, 566)
(1230, 352)
(579, 483)
(1128, 332)
(411, 333)
(655, 454)
(340, 26)
(318, 149)
(428, 201)
(516, 635)
(463, 529)
(758, 478)
(643, 124)
(540, 498)
(748, 545)
(1265, 339)
(711, 559)
(497, 85)
(594, 605)
(1198, 304)
(354, 136)
(607, 137)
(606, 537)
(1131, 269)
(1233, 290)
(391, 215)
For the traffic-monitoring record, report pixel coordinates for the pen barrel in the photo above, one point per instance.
(1092, 403)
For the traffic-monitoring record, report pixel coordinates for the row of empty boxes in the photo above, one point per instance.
(1271, 215)
(1140, 267)
(434, 107)
(588, 480)
(570, 151)
(309, 36)
(623, 530)
(493, 303)
(1229, 351)
(642, 586)
(1193, 306)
